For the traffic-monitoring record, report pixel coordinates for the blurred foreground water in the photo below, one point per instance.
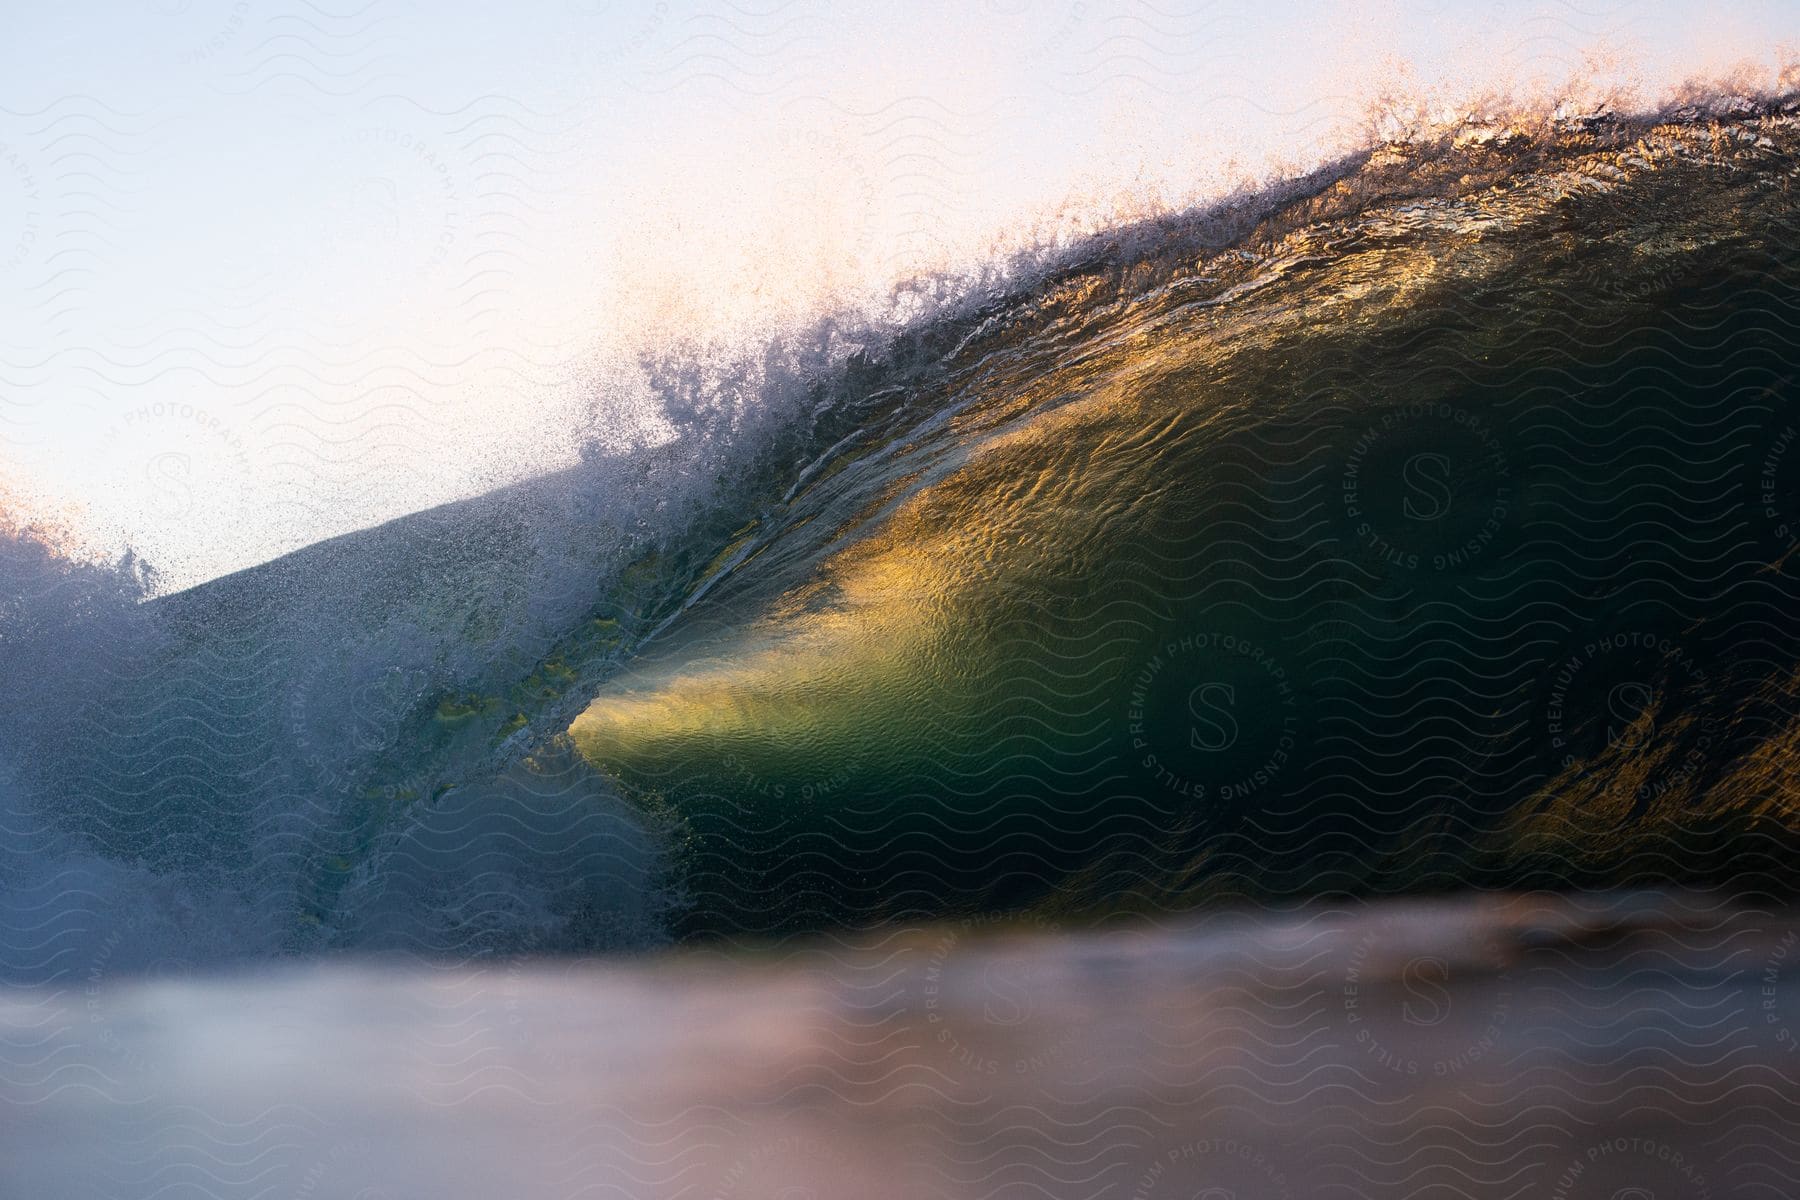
(1626, 1047)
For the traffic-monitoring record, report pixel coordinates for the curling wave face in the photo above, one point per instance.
(1427, 525)
(1423, 522)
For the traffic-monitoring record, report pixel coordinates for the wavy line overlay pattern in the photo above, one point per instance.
(1293, 696)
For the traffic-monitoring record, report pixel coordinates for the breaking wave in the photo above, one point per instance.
(1425, 521)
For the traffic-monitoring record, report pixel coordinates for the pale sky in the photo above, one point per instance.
(272, 271)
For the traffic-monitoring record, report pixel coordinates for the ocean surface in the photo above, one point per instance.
(1621, 1047)
(1291, 698)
